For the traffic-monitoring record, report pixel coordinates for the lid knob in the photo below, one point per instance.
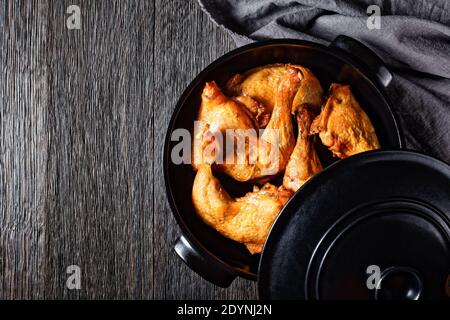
(399, 283)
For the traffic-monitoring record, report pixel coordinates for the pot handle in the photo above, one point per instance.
(365, 56)
(211, 270)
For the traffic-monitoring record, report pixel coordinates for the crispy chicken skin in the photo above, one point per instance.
(343, 126)
(269, 154)
(262, 85)
(256, 110)
(247, 219)
(304, 162)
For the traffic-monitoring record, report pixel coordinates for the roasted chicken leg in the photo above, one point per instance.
(247, 219)
(262, 85)
(217, 114)
(304, 162)
(260, 160)
(343, 126)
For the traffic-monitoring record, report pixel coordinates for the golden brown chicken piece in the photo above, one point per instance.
(343, 126)
(266, 156)
(279, 132)
(304, 162)
(247, 219)
(217, 114)
(262, 85)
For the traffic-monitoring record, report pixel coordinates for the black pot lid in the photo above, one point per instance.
(373, 226)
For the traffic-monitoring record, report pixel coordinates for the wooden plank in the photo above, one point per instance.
(83, 118)
(99, 178)
(185, 42)
(23, 152)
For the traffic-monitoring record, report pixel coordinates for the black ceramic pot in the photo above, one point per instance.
(345, 60)
(373, 226)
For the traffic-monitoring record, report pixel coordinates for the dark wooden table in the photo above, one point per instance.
(83, 116)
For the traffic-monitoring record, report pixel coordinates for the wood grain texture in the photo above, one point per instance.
(23, 148)
(100, 150)
(83, 118)
(185, 43)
